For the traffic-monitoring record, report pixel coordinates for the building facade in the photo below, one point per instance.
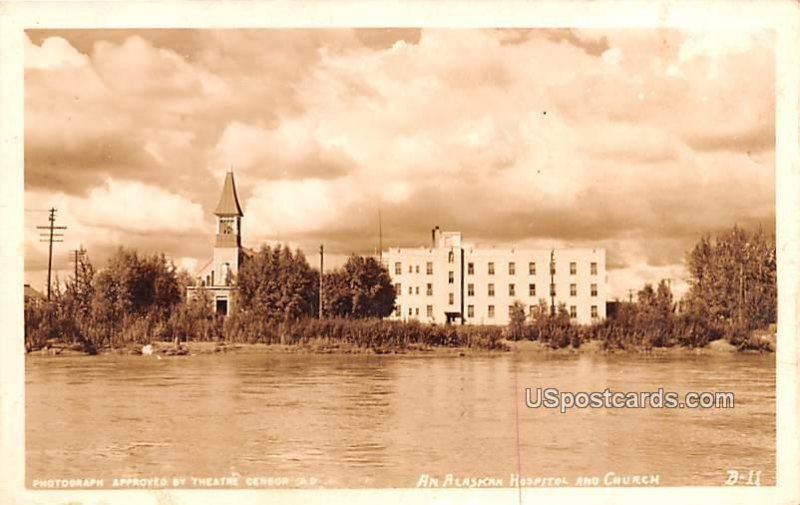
(217, 276)
(457, 283)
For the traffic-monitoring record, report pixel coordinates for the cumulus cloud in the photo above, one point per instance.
(637, 141)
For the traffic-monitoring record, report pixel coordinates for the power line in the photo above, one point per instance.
(50, 236)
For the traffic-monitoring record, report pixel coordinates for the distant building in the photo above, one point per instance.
(455, 282)
(217, 275)
(31, 295)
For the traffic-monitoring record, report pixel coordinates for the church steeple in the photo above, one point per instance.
(228, 201)
(229, 215)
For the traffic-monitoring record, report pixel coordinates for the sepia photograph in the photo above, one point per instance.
(400, 257)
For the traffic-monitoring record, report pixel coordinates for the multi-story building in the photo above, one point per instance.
(455, 282)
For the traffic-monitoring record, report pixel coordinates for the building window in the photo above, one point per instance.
(531, 289)
(470, 311)
(451, 257)
(410, 311)
(397, 289)
(573, 311)
(552, 290)
(573, 290)
(573, 268)
(512, 290)
(429, 268)
(594, 310)
(531, 310)
(410, 290)
(450, 298)
(471, 268)
(531, 268)
(593, 268)
(429, 310)
(429, 289)
(512, 268)
(594, 289)
(491, 310)
(416, 311)
(416, 290)
(491, 289)
(410, 269)
(470, 289)
(491, 268)
(398, 268)
(450, 277)
(398, 311)
(416, 269)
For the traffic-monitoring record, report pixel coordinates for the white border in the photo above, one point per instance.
(783, 16)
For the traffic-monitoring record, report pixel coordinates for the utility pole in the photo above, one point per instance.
(552, 282)
(742, 293)
(321, 274)
(77, 257)
(50, 236)
(630, 296)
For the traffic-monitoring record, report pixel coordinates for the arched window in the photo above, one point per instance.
(451, 257)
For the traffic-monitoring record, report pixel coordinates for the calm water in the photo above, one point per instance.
(372, 421)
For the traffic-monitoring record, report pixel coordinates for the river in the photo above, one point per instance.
(383, 421)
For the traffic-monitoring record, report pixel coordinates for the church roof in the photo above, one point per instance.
(228, 202)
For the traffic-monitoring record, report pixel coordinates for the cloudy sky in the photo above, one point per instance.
(636, 141)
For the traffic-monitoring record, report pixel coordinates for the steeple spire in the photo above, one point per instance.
(228, 202)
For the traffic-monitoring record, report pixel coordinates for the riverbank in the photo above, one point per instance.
(325, 346)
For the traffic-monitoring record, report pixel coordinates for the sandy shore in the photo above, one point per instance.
(194, 348)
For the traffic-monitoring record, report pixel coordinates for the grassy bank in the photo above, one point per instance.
(321, 345)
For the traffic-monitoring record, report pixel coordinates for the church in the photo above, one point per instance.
(217, 276)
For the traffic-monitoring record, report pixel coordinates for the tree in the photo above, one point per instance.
(516, 323)
(195, 319)
(653, 316)
(362, 288)
(733, 278)
(555, 329)
(133, 296)
(277, 285)
(337, 295)
(371, 287)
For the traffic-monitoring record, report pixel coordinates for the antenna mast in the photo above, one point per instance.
(380, 234)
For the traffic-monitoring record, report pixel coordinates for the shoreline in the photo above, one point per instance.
(525, 347)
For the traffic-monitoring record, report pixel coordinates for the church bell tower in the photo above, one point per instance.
(228, 242)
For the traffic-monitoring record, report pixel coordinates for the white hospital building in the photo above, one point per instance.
(451, 281)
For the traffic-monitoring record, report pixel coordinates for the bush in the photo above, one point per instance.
(365, 333)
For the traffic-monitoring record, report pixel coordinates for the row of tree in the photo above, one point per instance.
(733, 291)
(139, 298)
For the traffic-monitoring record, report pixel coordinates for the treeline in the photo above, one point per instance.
(135, 299)
(732, 295)
(138, 299)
